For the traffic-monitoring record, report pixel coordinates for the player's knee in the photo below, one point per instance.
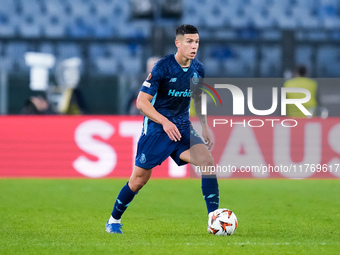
(136, 184)
(208, 160)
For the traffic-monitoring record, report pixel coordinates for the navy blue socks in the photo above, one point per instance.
(124, 198)
(209, 189)
(210, 192)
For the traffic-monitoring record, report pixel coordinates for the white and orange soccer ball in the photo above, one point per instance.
(222, 222)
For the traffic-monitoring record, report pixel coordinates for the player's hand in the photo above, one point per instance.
(207, 136)
(172, 131)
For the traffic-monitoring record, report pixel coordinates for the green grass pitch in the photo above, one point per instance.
(168, 217)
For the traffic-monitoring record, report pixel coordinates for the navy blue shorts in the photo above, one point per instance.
(153, 149)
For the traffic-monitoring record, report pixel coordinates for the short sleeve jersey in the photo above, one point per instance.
(169, 84)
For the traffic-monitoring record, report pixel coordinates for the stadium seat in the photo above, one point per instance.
(225, 34)
(286, 22)
(103, 8)
(7, 29)
(15, 51)
(31, 7)
(118, 50)
(303, 56)
(79, 8)
(214, 67)
(131, 65)
(68, 50)
(28, 26)
(6, 63)
(262, 21)
(98, 50)
(236, 68)
(331, 22)
(47, 48)
(213, 16)
(328, 61)
(79, 28)
(128, 56)
(106, 66)
(112, 18)
(137, 29)
(7, 7)
(54, 7)
(270, 65)
(53, 26)
(238, 18)
(102, 28)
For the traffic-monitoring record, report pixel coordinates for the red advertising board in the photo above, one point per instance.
(104, 146)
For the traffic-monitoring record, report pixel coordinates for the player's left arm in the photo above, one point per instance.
(206, 134)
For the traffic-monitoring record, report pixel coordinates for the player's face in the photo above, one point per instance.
(188, 45)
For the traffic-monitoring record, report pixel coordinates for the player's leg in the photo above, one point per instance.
(138, 179)
(140, 176)
(199, 155)
(152, 150)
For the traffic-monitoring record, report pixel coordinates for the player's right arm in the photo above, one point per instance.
(145, 106)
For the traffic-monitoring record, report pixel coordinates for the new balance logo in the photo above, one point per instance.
(173, 80)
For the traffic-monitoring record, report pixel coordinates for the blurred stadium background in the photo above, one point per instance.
(113, 40)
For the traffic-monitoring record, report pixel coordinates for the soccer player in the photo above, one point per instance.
(164, 99)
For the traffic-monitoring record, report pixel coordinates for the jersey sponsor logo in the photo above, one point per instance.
(173, 80)
(149, 77)
(176, 93)
(146, 84)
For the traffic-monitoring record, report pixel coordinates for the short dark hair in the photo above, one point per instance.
(301, 70)
(186, 29)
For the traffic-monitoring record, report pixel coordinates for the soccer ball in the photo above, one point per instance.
(222, 222)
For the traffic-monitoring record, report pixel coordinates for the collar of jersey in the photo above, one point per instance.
(184, 69)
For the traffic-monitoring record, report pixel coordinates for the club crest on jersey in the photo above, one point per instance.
(195, 78)
(142, 158)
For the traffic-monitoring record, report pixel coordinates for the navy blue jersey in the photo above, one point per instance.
(169, 84)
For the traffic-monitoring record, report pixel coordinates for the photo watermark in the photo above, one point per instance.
(263, 128)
